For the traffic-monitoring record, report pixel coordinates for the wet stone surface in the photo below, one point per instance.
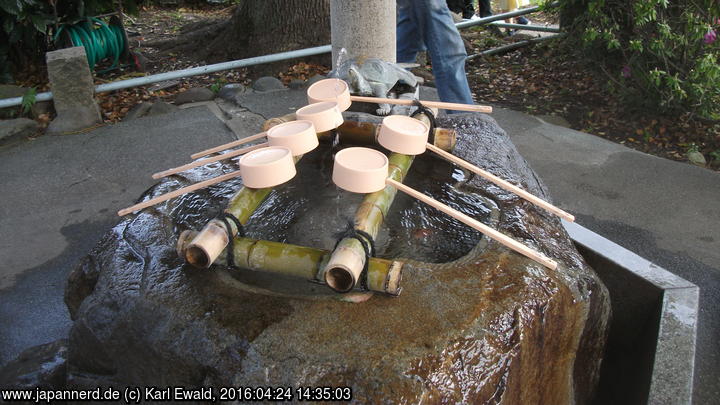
(476, 323)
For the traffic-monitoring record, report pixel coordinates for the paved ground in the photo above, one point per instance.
(61, 195)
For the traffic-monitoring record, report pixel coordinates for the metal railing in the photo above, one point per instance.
(176, 74)
(258, 60)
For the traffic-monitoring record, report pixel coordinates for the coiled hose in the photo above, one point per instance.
(99, 39)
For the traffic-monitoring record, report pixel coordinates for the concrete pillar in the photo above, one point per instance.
(366, 28)
(73, 90)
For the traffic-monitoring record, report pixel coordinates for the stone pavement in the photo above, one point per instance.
(62, 192)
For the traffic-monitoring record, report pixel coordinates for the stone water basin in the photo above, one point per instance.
(476, 323)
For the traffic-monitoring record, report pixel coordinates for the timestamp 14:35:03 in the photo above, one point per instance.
(285, 394)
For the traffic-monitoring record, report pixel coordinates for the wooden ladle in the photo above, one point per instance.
(408, 136)
(324, 117)
(299, 136)
(266, 167)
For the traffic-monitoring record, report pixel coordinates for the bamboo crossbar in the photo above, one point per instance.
(502, 183)
(429, 104)
(384, 276)
(205, 248)
(366, 133)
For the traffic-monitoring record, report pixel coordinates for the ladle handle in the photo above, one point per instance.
(179, 192)
(505, 240)
(228, 145)
(435, 104)
(502, 183)
(203, 162)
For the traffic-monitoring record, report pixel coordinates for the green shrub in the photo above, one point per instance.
(659, 54)
(22, 37)
(25, 25)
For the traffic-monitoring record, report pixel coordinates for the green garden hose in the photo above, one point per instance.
(99, 39)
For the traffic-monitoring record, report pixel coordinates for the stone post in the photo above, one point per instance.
(73, 91)
(366, 28)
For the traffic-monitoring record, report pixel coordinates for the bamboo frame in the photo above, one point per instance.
(269, 123)
(348, 259)
(346, 263)
(202, 251)
(502, 183)
(384, 276)
(363, 133)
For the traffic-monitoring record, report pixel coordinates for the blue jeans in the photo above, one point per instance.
(427, 24)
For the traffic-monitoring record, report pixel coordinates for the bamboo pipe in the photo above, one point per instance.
(361, 133)
(343, 269)
(228, 145)
(279, 120)
(299, 261)
(505, 240)
(502, 183)
(204, 162)
(208, 244)
(429, 104)
(346, 263)
(179, 192)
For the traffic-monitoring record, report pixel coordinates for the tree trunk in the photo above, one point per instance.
(257, 27)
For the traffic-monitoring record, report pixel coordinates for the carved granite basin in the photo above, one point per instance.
(476, 323)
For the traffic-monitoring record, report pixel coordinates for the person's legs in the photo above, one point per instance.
(468, 9)
(446, 50)
(456, 6)
(507, 6)
(484, 8)
(408, 38)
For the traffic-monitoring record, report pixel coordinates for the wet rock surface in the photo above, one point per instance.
(485, 326)
(41, 367)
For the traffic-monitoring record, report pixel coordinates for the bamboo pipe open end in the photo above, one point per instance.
(340, 279)
(198, 257)
(207, 245)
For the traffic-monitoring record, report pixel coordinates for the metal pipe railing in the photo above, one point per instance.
(176, 74)
(275, 57)
(503, 16)
(538, 28)
(514, 45)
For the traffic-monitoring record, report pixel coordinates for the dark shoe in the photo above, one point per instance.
(522, 20)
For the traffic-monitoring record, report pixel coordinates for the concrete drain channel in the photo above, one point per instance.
(650, 354)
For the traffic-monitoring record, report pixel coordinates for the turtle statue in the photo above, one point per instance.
(375, 78)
